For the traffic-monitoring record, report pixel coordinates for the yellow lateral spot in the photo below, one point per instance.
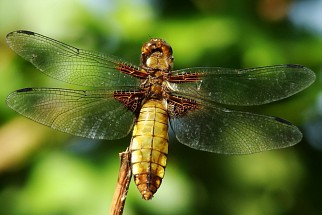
(160, 144)
(140, 142)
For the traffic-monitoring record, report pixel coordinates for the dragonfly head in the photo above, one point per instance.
(157, 54)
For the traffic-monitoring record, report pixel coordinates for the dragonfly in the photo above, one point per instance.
(148, 99)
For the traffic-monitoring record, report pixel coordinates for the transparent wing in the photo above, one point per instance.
(93, 114)
(253, 86)
(70, 64)
(215, 129)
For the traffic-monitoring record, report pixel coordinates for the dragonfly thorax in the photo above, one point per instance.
(154, 84)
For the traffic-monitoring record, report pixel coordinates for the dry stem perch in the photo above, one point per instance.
(122, 185)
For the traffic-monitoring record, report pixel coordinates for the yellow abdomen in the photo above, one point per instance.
(149, 147)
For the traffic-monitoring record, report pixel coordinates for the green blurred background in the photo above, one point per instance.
(44, 172)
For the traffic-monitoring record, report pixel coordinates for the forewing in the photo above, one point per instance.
(70, 64)
(219, 130)
(93, 114)
(241, 87)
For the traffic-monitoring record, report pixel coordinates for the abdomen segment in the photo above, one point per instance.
(149, 147)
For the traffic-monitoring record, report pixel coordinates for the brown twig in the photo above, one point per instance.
(122, 185)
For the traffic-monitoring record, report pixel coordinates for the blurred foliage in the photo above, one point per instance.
(47, 172)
